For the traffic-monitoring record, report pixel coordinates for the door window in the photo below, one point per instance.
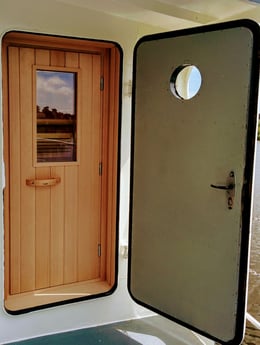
(185, 81)
(56, 116)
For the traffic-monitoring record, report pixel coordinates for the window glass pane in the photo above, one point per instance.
(56, 116)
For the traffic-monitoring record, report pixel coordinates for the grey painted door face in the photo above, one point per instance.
(189, 240)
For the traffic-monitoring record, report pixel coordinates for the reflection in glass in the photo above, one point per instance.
(56, 116)
(185, 81)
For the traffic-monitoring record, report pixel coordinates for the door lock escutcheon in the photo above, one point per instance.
(229, 188)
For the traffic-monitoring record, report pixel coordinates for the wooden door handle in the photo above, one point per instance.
(43, 182)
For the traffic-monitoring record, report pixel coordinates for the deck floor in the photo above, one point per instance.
(153, 330)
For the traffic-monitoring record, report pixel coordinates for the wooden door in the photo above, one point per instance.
(55, 205)
(192, 174)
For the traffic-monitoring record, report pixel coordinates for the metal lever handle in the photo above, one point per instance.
(229, 187)
(42, 183)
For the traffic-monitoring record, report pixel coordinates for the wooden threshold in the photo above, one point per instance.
(32, 299)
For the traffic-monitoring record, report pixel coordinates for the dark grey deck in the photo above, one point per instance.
(147, 331)
(153, 330)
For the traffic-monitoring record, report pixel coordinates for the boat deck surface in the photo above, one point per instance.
(153, 330)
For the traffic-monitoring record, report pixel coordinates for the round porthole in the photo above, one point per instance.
(185, 81)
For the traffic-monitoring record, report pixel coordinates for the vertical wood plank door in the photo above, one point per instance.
(55, 129)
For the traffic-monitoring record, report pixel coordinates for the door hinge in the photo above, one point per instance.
(99, 250)
(101, 83)
(100, 168)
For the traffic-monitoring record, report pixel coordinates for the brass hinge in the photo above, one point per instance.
(101, 83)
(100, 168)
(99, 249)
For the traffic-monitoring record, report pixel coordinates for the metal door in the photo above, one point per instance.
(192, 166)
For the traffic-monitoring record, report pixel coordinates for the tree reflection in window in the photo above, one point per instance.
(56, 116)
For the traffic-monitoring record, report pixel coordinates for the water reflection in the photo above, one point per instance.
(143, 339)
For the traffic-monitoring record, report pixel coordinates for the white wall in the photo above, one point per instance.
(53, 17)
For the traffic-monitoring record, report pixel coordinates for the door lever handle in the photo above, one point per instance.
(229, 188)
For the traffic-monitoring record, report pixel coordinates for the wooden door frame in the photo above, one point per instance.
(111, 55)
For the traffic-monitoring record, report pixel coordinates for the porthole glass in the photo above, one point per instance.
(185, 81)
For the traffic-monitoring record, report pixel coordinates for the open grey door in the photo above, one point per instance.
(193, 139)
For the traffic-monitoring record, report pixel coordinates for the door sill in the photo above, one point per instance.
(36, 298)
